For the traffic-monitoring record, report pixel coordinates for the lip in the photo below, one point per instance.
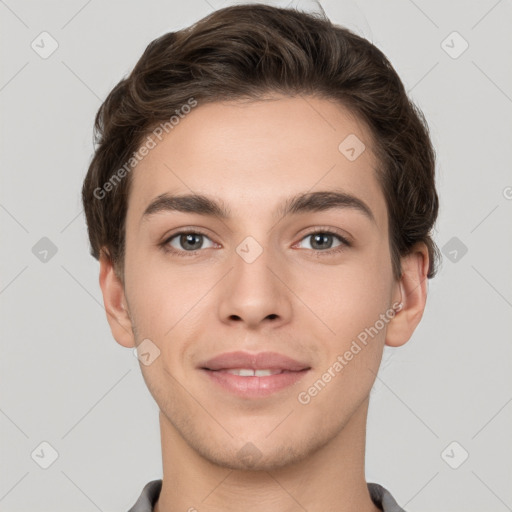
(259, 361)
(254, 387)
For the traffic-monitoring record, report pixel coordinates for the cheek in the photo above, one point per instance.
(354, 310)
(152, 295)
(347, 299)
(165, 298)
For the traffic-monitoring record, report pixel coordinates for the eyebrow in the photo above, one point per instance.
(300, 203)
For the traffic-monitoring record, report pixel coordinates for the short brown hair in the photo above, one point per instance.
(248, 52)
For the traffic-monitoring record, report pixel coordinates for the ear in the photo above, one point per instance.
(412, 288)
(115, 303)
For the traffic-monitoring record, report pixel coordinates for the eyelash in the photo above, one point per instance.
(324, 231)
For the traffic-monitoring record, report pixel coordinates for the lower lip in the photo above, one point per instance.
(254, 387)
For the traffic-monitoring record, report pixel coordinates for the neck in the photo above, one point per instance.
(332, 478)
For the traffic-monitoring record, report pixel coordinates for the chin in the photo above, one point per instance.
(262, 453)
(251, 458)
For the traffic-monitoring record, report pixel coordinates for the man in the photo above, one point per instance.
(261, 201)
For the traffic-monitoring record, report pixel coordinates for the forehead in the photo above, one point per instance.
(254, 155)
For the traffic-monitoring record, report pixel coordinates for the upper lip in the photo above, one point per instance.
(260, 361)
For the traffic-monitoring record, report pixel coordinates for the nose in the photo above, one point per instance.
(256, 292)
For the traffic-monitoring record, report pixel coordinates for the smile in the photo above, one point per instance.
(252, 384)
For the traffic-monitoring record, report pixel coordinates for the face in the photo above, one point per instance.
(286, 291)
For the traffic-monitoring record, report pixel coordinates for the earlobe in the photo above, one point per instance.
(413, 288)
(115, 303)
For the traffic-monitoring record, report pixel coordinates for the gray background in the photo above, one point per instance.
(66, 382)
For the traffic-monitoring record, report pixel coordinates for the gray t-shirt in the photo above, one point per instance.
(380, 496)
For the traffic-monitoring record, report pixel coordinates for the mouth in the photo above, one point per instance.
(253, 375)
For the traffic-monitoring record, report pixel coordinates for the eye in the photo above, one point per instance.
(323, 241)
(186, 241)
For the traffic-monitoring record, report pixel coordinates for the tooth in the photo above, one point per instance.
(242, 372)
(248, 372)
(264, 373)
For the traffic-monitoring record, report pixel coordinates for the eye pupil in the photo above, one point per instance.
(189, 238)
(322, 239)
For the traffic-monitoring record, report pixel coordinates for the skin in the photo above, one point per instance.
(292, 300)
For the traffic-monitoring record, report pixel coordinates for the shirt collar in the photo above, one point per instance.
(147, 499)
